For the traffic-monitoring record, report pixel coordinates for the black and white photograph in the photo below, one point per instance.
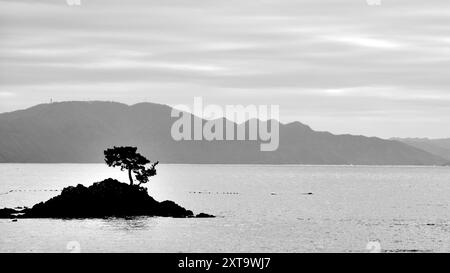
(224, 126)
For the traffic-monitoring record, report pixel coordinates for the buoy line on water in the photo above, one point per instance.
(210, 192)
(53, 190)
(12, 191)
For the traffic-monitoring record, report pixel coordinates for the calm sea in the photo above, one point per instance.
(261, 209)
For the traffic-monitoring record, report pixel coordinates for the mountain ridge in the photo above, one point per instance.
(439, 146)
(78, 132)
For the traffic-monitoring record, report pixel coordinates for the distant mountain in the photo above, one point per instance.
(78, 132)
(439, 147)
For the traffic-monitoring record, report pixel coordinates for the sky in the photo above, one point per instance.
(342, 66)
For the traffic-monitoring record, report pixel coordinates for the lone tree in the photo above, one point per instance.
(143, 174)
(127, 158)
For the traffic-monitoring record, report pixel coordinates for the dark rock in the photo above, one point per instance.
(171, 209)
(102, 199)
(7, 213)
(204, 215)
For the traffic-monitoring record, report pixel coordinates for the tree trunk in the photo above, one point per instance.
(130, 176)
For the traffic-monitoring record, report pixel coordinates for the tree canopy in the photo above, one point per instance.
(127, 158)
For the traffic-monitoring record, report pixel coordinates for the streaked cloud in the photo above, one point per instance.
(338, 65)
(366, 42)
(6, 94)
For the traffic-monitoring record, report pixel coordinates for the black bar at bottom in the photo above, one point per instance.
(198, 262)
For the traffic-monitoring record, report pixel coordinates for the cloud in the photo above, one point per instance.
(6, 94)
(366, 42)
(315, 58)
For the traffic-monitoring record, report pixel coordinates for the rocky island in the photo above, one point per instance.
(108, 198)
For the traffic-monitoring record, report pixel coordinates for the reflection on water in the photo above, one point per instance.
(277, 209)
(128, 223)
